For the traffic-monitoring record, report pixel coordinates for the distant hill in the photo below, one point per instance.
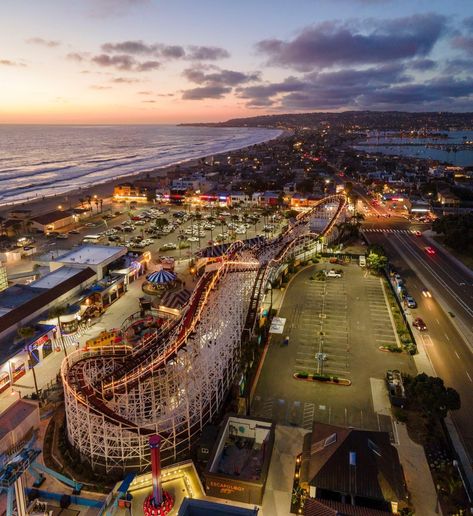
(381, 120)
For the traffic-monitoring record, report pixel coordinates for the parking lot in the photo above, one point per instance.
(172, 230)
(345, 320)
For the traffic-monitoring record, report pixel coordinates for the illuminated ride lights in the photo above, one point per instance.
(159, 503)
(175, 380)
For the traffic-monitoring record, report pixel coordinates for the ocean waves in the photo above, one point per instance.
(39, 161)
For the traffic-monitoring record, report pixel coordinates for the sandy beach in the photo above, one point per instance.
(72, 199)
(102, 190)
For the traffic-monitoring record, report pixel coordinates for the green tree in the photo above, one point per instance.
(26, 332)
(376, 262)
(429, 395)
(55, 313)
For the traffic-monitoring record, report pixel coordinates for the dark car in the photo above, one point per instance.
(419, 324)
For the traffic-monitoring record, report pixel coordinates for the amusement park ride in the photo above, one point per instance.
(175, 379)
(132, 407)
(12, 480)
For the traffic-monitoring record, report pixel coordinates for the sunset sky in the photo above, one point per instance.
(150, 61)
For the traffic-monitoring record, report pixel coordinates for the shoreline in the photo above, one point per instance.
(104, 189)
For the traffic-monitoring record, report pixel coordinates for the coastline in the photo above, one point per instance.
(104, 190)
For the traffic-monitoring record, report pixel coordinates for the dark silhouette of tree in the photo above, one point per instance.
(429, 395)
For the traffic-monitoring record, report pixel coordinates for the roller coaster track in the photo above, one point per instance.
(98, 382)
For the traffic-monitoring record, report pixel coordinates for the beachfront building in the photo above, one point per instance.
(84, 281)
(54, 220)
(130, 192)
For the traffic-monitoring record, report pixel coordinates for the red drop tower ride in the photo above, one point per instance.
(159, 502)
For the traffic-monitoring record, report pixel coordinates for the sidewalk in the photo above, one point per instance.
(48, 368)
(417, 474)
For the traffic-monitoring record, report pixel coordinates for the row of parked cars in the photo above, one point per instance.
(409, 301)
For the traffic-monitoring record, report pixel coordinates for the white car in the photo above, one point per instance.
(333, 274)
(192, 239)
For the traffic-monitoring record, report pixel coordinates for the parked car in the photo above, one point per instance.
(168, 246)
(411, 302)
(74, 232)
(419, 324)
(332, 273)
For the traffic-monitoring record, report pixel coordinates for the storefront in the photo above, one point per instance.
(132, 266)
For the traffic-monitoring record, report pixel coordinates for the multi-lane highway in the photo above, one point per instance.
(448, 314)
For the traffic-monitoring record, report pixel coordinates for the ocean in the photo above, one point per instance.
(45, 160)
(421, 148)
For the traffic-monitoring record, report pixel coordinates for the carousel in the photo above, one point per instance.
(159, 282)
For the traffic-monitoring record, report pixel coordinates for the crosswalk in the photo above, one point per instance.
(387, 230)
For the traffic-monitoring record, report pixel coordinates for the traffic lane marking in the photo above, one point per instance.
(469, 377)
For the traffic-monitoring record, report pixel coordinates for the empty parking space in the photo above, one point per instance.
(347, 320)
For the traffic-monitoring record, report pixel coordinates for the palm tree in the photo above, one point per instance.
(26, 333)
(16, 226)
(55, 313)
(341, 227)
(198, 218)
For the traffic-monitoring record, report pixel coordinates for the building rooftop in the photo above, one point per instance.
(195, 507)
(92, 254)
(14, 415)
(17, 295)
(54, 278)
(331, 452)
(24, 300)
(52, 216)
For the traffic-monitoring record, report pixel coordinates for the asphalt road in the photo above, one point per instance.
(451, 287)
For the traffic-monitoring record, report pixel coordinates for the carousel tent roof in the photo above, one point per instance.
(161, 277)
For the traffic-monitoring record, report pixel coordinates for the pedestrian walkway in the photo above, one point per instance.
(48, 369)
(417, 474)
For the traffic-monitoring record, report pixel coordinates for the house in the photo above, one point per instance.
(447, 198)
(346, 467)
(54, 220)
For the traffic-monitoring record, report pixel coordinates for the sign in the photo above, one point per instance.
(277, 325)
(226, 488)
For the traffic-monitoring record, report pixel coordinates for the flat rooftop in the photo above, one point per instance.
(17, 295)
(242, 449)
(56, 277)
(15, 414)
(92, 254)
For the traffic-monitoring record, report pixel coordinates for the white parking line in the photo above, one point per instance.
(458, 356)
(469, 377)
